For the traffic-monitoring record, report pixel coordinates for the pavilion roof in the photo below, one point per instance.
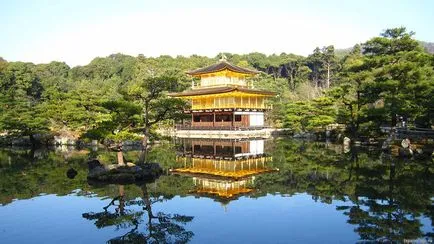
(220, 66)
(219, 90)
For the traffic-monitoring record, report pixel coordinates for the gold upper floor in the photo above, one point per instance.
(230, 100)
(221, 78)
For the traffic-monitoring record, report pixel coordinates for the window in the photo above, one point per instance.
(207, 149)
(204, 149)
(202, 118)
(206, 118)
(224, 150)
(238, 118)
(223, 118)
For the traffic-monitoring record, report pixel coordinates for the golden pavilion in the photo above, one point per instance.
(224, 100)
(222, 169)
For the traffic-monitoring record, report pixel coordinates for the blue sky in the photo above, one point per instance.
(77, 31)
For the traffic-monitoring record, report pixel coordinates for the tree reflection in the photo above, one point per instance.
(385, 197)
(387, 208)
(158, 228)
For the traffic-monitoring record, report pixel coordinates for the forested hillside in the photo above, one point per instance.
(428, 46)
(372, 84)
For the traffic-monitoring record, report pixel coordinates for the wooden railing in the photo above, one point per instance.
(231, 106)
(235, 128)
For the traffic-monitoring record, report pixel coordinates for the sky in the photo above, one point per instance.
(76, 31)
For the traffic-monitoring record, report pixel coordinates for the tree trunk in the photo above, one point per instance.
(121, 158)
(147, 201)
(144, 151)
(291, 82)
(142, 158)
(328, 75)
(357, 120)
(33, 141)
(120, 155)
(121, 199)
(394, 119)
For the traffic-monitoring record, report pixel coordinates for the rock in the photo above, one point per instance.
(93, 164)
(405, 143)
(64, 140)
(347, 144)
(112, 166)
(420, 154)
(71, 173)
(58, 140)
(123, 174)
(347, 141)
(405, 152)
(95, 168)
(372, 141)
(97, 172)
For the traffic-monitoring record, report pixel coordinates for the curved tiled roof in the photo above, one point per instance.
(220, 66)
(218, 90)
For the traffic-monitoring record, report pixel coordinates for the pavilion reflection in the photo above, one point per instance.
(222, 169)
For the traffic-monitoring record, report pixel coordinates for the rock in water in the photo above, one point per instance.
(71, 173)
(95, 168)
(405, 143)
(123, 173)
(93, 164)
(130, 164)
(347, 141)
(347, 144)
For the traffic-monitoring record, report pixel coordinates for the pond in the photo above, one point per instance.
(219, 191)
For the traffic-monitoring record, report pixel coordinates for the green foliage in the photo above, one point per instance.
(368, 85)
(20, 100)
(324, 65)
(402, 76)
(310, 115)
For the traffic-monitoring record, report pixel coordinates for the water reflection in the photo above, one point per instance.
(142, 224)
(389, 199)
(381, 198)
(222, 169)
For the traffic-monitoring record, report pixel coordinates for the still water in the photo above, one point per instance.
(219, 191)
